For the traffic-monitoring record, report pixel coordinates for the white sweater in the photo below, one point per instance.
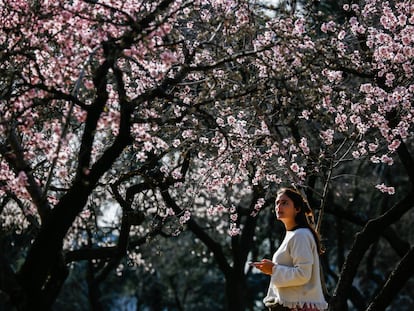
(295, 278)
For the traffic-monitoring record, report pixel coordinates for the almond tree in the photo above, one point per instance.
(83, 82)
(185, 111)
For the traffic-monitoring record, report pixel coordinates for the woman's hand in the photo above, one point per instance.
(265, 265)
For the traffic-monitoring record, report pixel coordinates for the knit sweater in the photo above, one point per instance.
(295, 278)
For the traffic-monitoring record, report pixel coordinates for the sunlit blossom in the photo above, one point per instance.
(385, 189)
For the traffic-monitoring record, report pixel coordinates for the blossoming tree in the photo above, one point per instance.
(176, 111)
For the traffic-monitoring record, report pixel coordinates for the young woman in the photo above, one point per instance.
(295, 283)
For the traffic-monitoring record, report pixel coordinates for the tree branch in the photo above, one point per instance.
(363, 240)
(212, 245)
(400, 246)
(16, 160)
(401, 274)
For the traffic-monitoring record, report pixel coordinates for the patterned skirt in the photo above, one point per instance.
(279, 307)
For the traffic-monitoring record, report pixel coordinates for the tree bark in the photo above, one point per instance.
(10, 285)
(363, 240)
(236, 292)
(401, 274)
(399, 245)
(45, 251)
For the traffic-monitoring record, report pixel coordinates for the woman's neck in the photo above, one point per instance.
(290, 225)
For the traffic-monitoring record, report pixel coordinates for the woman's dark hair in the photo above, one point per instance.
(304, 219)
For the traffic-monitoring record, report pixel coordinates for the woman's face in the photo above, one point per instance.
(285, 209)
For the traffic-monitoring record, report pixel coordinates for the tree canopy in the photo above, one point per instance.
(175, 116)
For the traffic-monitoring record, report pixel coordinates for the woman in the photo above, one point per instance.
(295, 283)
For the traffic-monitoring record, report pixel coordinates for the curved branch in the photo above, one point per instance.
(243, 244)
(400, 246)
(65, 126)
(15, 157)
(363, 240)
(407, 161)
(9, 283)
(324, 195)
(401, 274)
(198, 231)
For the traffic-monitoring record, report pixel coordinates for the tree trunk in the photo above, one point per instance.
(237, 296)
(45, 251)
(402, 273)
(93, 288)
(363, 240)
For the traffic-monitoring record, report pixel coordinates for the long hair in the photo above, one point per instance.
(303, 219)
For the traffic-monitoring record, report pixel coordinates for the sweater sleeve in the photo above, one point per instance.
(301, 249)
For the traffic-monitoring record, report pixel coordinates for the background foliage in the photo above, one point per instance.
(142, 143)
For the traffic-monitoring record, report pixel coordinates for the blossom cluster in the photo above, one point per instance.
(253, 104)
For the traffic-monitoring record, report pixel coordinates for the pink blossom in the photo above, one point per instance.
(148, 146)
(387, 160)
(384, 52)
(220, 121)
(328, 27)
(340, 121)
(188, 134)
(168, 58)
(389, 78)
(233, 217)
(341, 35)
(366, 88)
(355, 119)
(294, 167)
(281, 161)
(407, 69)
(385, 189)
(332, 75)
(372, 147)
(242, 17)
(394, 145)
(185, 217)
(304, 145)
(375, 159)
(327, 136)
(219, 208)
(234, 230)
(259, 204)
(402, 20)
(211, 211)
(355, 7)
(22, 179)
(231, 120)
(305, 114)
(299, 26)
(356, 154)
(176, 174)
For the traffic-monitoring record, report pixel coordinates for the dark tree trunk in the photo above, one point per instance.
(402, 273)
(236, 293)
(93, 288)
(45, 252)
(363, 240)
